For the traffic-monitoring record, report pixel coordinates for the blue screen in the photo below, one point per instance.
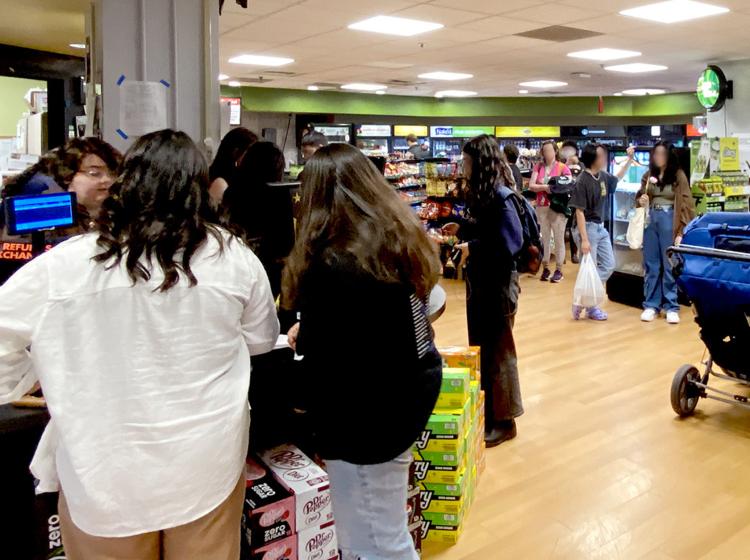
(42, 212)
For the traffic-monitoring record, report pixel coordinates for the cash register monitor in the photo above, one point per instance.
(30, 214)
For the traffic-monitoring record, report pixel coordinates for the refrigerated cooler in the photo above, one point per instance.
(649, 135)
(401, 131)
(448, 141)
(373, 139)
(335, 133)
(611, 136)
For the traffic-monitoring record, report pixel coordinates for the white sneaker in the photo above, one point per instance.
(648, 315)
(673, 318)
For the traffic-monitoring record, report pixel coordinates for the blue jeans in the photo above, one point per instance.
(601, 249)
(660, 290)
(369, 505)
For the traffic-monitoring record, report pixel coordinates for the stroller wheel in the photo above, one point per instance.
(684, 395)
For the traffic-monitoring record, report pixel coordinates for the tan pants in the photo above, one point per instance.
(215, 536)
(552, 224)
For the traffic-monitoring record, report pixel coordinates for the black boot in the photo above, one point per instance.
(503, 431)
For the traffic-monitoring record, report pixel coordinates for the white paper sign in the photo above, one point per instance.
(143, 107)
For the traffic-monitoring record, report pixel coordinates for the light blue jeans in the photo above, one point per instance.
(660, 289)
(369, 506)
(601, 249)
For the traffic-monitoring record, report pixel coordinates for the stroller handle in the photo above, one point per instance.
(708, 252)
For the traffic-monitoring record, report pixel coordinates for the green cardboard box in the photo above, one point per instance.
(455, 388)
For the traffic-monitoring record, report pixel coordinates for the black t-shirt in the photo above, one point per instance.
(590, 195)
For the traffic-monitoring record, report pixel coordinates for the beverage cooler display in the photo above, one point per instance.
(373, 139)
(650, 135)
(448, 141)
(610, 136)
(401, 131)
(335, 133)
(626, 284)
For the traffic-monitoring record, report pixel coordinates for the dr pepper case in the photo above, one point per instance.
(269, 507)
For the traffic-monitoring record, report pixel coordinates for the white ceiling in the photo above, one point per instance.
(478, 39)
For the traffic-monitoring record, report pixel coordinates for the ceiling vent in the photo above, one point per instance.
(558, 34)
(256, 80)
(404, 83)
(279, 73)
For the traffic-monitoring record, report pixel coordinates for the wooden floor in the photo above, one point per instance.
(601, 467)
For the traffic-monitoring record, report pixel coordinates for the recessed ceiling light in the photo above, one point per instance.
(636, 68)
(390, 25)
(234, 83)
(523, 91)
(380, 92)
(78, 45)
(312, 88)
(604, 54)
(674, 11)
(618, 94)
(223, 77)
(643, 91)
(356, 86)
(445, 76)
(455, 93)
(260, 60)
(543, 84)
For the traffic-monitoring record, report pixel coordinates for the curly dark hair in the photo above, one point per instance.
(62, 164)
(489, 168)
(233, 147)
(158, 209)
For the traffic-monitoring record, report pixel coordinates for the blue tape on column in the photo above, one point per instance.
(121, 133)
(165, 83)
(120, 79)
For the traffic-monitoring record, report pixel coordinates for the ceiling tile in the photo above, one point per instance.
(491, 6)
(438, 14)
(500, 25)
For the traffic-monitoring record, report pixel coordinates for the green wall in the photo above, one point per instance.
(12, 103)
(300, 101)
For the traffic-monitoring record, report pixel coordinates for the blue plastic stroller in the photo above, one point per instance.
(712, 266)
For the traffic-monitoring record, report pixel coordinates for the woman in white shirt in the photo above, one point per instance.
(141, 335)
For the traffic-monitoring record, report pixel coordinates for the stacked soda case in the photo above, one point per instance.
(449, 456)
(288, 513)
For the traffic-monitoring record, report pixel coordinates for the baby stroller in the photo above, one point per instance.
(712, 266)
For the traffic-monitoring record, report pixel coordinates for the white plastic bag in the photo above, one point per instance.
(589, 290)
(635, 229)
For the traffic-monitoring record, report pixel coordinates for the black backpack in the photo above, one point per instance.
(529, 258)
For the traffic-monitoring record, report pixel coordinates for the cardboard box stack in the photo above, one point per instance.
(449, 456)
(288, 513)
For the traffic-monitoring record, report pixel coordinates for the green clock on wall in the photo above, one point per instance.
(713, 88)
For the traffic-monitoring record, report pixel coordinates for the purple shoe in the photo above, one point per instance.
(577, 310)
(545, 275)
(596, 314)
(557, 276)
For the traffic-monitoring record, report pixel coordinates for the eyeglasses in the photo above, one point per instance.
(97, 174)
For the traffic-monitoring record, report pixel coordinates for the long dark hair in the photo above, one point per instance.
(62, 163)
(489, 169)
(349, 208)
(158, 209)
(670, 171)
(233, 146)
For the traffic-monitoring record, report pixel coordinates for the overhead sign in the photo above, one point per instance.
(374, 130)
(713, 88)
(235, 109)
(460, 131)
(406, 130)
(527, 131)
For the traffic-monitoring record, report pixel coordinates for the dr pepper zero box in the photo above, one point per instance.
(269, 511)
(318, 543)
(306, 481)
(285, 549)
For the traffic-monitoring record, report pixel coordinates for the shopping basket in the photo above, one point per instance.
(712, 267)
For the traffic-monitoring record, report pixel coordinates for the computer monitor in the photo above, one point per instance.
(29, 214)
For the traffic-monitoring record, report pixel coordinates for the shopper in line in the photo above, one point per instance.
(589, 199)
(359, 273)
(262, 214)
(228, 158)
(552, 221)
(311, 143)
(665, 192)
(417, 150)
(492, 237)
(511, 155)
(141, 335)
(84, 166)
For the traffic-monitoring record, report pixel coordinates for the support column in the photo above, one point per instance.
(174, 42)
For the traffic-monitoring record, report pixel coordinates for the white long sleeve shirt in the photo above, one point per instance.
(147, 391)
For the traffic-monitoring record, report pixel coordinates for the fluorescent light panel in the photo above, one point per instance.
(357, 86)
(523, 91)
(78, 45)
(380, 92)
(234, 83)
(389, 25)
(543, 84)
(223, 77)
(675, 11)
(260, 60)
(636, 68)
(643, 91)
(604, 54)
(312, 88)
(449, 76)
(455, 93)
